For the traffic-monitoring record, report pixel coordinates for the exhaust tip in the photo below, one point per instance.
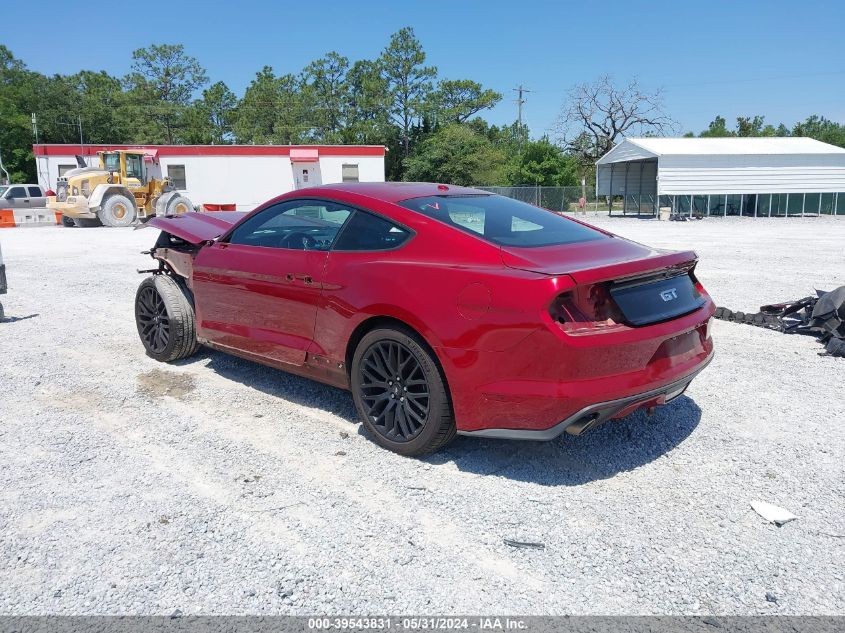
(584, 424)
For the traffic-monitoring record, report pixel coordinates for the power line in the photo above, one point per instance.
(755, 79)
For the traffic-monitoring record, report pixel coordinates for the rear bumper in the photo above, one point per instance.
(550, 381)
(598, 413)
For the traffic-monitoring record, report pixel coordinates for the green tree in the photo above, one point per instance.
(102, 106)
(456, 100)
(542, 163)
(210, 119)
(162, 83)
(326, 80)
(409, 81)
(15, 134)
(821, 129)
(458, 155)
(718, 128)
(368, 104)
(273, 110)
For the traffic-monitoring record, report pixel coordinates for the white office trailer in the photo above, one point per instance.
(754, 177)
(243, 175)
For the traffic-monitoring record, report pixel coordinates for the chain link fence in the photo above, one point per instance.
(568, 200)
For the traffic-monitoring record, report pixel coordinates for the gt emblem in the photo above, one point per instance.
(669, 295)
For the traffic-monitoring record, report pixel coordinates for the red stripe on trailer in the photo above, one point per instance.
(214, 150)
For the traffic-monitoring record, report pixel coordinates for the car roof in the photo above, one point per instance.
(398, 191)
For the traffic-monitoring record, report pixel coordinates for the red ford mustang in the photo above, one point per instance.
(443, 309)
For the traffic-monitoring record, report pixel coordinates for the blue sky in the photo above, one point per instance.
(785, 60)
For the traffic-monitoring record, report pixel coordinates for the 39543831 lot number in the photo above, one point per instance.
(432, 623)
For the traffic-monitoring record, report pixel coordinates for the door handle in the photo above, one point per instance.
(303, 277)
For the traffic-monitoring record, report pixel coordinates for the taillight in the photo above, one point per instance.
(586, 309)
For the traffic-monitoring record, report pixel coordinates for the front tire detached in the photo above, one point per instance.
(400, 393)
(117, 210)
(164, 316)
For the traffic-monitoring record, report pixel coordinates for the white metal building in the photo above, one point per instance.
(244, 175)
(725, 176)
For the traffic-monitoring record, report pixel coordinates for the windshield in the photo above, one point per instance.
(503, 221)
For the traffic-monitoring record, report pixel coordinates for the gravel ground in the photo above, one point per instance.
(219, 486)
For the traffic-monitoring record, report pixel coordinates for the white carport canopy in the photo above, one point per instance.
(705, 166)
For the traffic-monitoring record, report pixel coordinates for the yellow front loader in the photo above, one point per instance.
(117, 193)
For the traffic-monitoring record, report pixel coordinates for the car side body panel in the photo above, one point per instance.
(481, 308)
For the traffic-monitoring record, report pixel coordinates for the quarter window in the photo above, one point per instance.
(176, 173)
(350, 173)
(35, 192)
(368, 232)
(300, 225)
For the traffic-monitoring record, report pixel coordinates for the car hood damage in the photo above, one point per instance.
(196, 228)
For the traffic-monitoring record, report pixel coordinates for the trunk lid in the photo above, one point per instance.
(607, 259)
(616, 279)
(196, 227)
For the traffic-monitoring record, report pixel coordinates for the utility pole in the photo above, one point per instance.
(519, 101)
(81, 144)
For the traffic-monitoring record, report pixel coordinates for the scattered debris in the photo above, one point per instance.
(770, 597)
(340, 453)
(290, 505)
(524, 544)
(772, 514)
(344, 435)
(822, 316)
(416, 488)
(164, 519)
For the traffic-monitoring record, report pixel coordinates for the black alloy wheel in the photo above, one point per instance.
(400, 392)
(153, 322)
(164, 315)
(394, 390)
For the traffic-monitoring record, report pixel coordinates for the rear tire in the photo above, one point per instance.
(400, 393)
(117, 210)
(164, 315)
(66, 221)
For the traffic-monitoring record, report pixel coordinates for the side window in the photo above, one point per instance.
(349, 173)
(134, 166)
(35, 192)
(368, 232)
(176, 173)
(299, 224)
(16, 192)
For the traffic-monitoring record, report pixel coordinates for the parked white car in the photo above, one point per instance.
(22, 197)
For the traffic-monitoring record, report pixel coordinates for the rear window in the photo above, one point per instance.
(502, 220)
